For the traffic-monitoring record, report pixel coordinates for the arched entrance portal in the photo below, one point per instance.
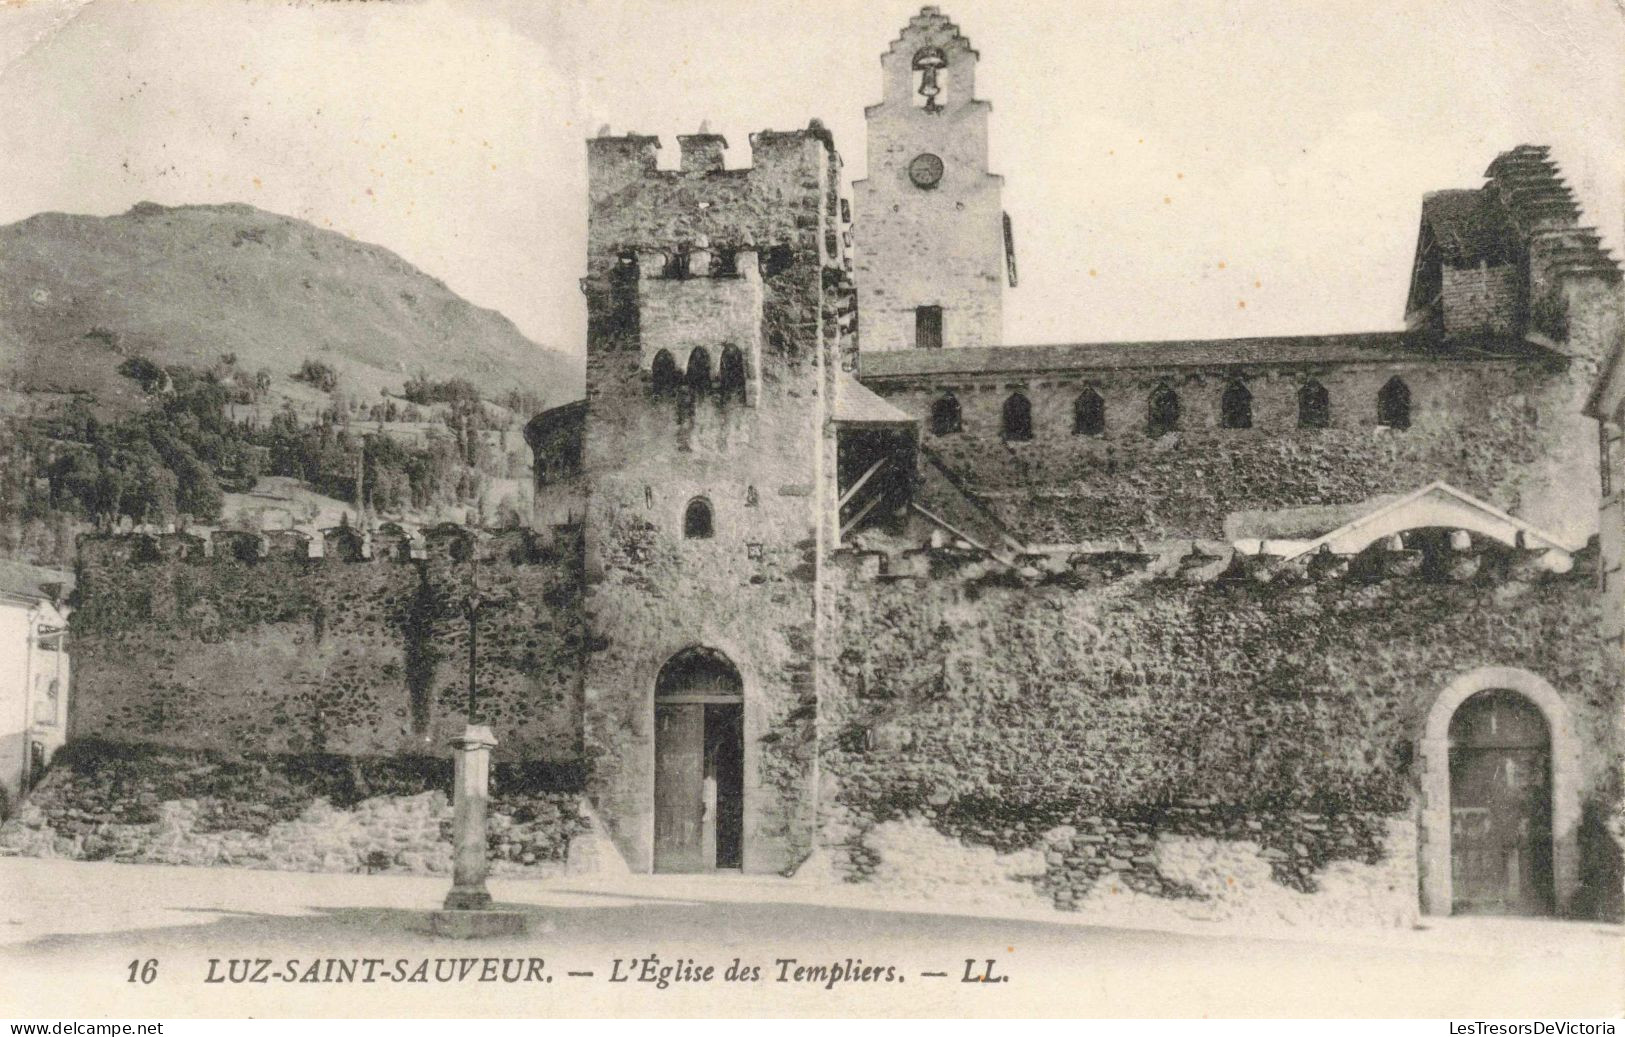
(1500, 783)
(1500, 807)
(699, 763)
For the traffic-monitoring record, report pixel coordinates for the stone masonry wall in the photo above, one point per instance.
(1110, 714)
(1508, 432)
(1482, 299)
(160, 805)
(299, 655)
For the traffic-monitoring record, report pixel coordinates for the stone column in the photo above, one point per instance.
(471, 787)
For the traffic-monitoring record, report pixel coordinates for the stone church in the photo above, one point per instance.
(827, 579)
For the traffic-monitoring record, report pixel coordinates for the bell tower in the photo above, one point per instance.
(930, 234)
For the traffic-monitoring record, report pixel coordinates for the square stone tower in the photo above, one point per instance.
(711, 358)
(931, 240)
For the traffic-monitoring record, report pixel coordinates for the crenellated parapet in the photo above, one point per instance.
(702, 198)
(1436, 534)
(1423, 557)
(387, 543)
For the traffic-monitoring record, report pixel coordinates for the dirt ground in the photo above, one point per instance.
(72, 931)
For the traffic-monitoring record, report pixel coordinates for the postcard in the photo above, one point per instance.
(750, 508)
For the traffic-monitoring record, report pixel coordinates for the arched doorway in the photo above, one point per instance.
(1500, 807)
(699, 763)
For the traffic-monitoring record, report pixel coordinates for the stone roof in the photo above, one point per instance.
(1532, 186)
(1534, 194)
(1376, 347)
(1469, 227)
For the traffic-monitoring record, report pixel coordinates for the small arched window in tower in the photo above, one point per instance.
(945, 416)
(663, 376)
(1088, 414)
(930, 78)
(697, 520)
(1314, 406)
(1018, 419)
(676, 263)
(1394, 404)
(732, 374)
(1162, 414)
(699, 371)
(1236, 406)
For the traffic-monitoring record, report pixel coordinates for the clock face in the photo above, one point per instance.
(925, 170)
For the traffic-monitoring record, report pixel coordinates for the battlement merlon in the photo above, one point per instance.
(615, 162)
(702, 152)
(789, 196)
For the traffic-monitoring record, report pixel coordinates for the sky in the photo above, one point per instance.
(1172, 169)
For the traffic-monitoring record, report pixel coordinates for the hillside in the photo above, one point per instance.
(188, 285)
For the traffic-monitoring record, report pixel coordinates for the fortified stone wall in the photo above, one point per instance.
(1505, 431)
(307, 812)
(292, 654)
(1113, 710)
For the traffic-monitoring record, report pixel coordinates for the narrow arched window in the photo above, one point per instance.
(1314, 406)
(1088, 414)
(621, 320)
(676, 263)
(697, 520)
(732, 374)
(1162, 413)
(663, 376)
(1018, 418)
(945, 416)
(699, 371)
(1236, 406)
(1394, 404)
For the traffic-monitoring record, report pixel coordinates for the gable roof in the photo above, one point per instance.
(1437, 504)
(1469, 227)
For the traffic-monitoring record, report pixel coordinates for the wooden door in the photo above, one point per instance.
(679, 786)
(1500, 807)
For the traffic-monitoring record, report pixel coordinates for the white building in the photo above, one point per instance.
(33, 672)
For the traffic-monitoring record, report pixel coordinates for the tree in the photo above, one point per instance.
(197, 493)
(318, 374)
(149, 494)
(144, 371)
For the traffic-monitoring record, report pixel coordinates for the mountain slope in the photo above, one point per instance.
(186, 285)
